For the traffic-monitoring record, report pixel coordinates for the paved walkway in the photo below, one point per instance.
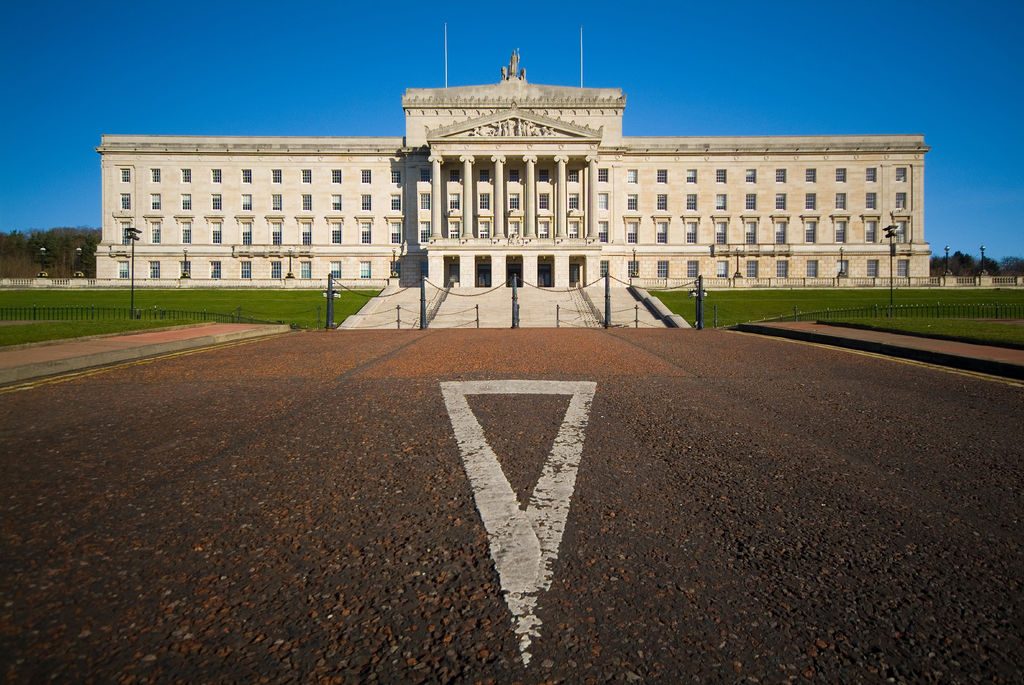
(37, 360)
(1001, 361)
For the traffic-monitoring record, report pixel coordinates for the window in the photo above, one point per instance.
(513, 228)
(840, 231)
(126, 175)
(750, 236)
(692, 268)
(544, 201)
(901, 231)
(186, 232)
(246, 203)
(574, 200)
(275, 202)
(780, 200)
(307, 175)
(396, 233)
(544, 175)
(366, 176)
(901, 200)
(154, 176)
(366, 202)
(812, 268)
(574, 176)
(633, 268)
(901, 174)
(751, 201)
(485, 175)
(871, 174)
(662, 268)
(870, 231)
(602, 175)
(780, 175)
(154, 201)
(336, 234)
(661, 234)
(811, 201)
(782, 269)
(691, 233)
(902, 268)
(780, 232)
(453, 175)
(722, 269)
(485, 229)
(154, 233)
(154, 269)
(602, 231)
(751, 175)
(513, 201)
(720, 176)
(365, 270)
(691, 202)
(247, 233)
(840, 200)
(276, 229)
(574, 229)
(307, 232)
(632, 203)
(275, 175)
(216, 234)
(485, 200)
(275, 269)
(215, 269)
(336, 269)
(662, 175)
(602, 200)
(513, 175)
(186, 175)
(424, 231)
(126, 233)
(721, 231)
(215, 175)
(603, 268)
(246, 272)
(424, 200)
(872, 268)
(335, 175)
(751, 268)
(246, 175)
(305, 270)
(544, 229)
(871, 200)
(691, 175)
(396, 203)
(215, 202)
(811, 175)
(632, 229)
(662, 203)
(122, 269)
(840, 175)
(453, 200)
(126, 200)
(720, 202)
(811, 232)
(631, 176)
(336, 202)
(424, 175)
(365, 232)
(396, 177)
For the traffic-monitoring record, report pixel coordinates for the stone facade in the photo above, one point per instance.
(510, 179)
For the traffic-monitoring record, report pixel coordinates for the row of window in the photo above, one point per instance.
(244, 271)
(276, 202)
(276, 233)
(276, 175)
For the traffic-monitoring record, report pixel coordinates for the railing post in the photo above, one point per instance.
(607, 301)
(398, 316)
(478, 316)
(515, 302)
(423, 302)
(796, 314)
(557, 316)
(636, 316)
(700, 303)
(329, 320)
(715, 307)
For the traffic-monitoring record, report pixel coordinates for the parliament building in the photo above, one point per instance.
(514, 179)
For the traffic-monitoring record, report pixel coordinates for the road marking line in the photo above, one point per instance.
(523, 544)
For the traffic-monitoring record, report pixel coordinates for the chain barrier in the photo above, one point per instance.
(368, 297)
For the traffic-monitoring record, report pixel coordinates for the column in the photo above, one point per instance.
(530, 230)
(592, 198)
(467, 195)
(435, 200)
(560, 203)
(499, 197)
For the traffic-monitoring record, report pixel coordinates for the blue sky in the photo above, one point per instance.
(73, 71)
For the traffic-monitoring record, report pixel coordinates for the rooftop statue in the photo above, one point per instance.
(512, 71)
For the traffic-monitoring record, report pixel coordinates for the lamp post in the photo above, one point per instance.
(890, 233)
(947, 260)
(78, 263)
(290, 253)
(133, 235)
(42, 262)
(634, 268)
(185, 268)
(394, 271)
(842, 260)
(983, 272)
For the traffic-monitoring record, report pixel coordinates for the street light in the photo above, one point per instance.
(890, 233)
(42, 262)
(185, 267)
(132, 234)
(394, 272)
(947, 260)
(634, 268)
(290, 253)
(983, 272)
(842, 268)
(78, 263)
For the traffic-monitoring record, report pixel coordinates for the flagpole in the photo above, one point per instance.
(446, 54)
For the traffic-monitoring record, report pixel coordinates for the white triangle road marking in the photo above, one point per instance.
(523, 543)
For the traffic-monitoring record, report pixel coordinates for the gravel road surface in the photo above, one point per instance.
(298, 508)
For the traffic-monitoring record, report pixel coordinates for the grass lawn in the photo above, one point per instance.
(739, 306)
(16, 334)
(960, 329)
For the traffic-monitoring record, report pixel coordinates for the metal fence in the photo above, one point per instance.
(93, 313)
(1013, 310)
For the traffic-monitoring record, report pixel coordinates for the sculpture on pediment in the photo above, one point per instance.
(512, 127)
(512, 71)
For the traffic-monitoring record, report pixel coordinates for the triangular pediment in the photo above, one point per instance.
(514, 124)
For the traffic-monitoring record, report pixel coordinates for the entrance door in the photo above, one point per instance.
(513, 270)
(574, 275)
(483, 275)
(453, 272)
(544, 275)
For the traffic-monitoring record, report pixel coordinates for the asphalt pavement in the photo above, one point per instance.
(408, 506)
